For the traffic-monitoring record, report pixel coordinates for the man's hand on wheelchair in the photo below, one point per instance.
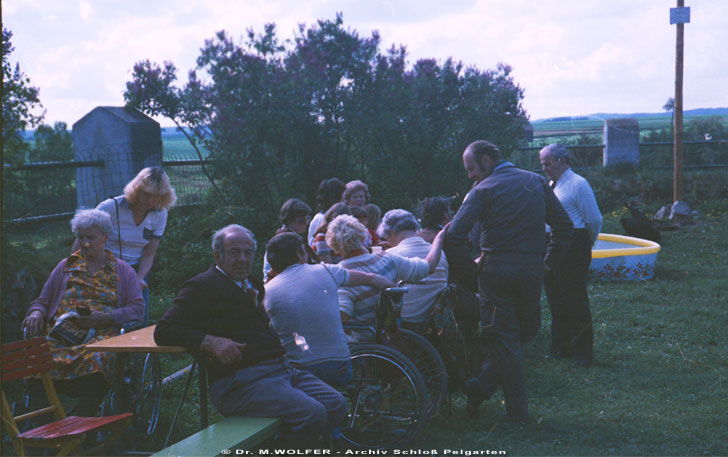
(223, 350)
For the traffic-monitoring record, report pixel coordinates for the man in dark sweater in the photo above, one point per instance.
(511, 206)
(218, 315)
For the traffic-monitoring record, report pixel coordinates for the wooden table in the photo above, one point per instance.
(142, 341)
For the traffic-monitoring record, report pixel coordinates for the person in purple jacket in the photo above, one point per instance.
(86, 298)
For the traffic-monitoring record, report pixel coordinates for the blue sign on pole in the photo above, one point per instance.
(680, 15)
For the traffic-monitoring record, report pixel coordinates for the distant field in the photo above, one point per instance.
(596, 126)
(178, 148)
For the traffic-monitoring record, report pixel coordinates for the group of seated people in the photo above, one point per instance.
(272, 349)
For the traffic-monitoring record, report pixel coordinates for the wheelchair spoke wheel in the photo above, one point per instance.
(147, 397)
(429, 362)
(386, 397)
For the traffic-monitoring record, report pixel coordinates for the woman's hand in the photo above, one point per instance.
(95, 320)
(143, 283)
(33, 323)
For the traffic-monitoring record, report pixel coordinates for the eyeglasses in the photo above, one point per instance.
(549, 163)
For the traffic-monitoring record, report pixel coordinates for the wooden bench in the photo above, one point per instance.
(234, 432)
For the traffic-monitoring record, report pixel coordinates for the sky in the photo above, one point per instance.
(572, 57)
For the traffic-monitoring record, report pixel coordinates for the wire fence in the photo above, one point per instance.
(700, 154)
(41, 193)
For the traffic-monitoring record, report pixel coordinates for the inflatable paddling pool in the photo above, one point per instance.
(623, 258)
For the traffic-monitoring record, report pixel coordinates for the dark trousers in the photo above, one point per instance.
(309, 408)
(510, 290)
(90, 390)
(571, 327)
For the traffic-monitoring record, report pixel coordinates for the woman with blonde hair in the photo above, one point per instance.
(138, 218)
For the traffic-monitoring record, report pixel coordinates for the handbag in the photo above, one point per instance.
(67, 333)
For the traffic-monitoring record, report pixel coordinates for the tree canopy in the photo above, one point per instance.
(278, 117)
(20, 101)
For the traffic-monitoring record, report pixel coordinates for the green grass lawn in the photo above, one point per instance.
(658, 387)
(659, 382)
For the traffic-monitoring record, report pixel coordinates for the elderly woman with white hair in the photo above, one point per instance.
(87, 296)
(138, 218)
(347, 236)
(399, 228)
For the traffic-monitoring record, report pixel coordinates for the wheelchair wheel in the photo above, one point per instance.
(429, 362)
(146, 393)
(386, 398)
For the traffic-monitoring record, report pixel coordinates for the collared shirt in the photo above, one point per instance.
(419, 299)
(360, 302)
(246, 285)
(134, 238)
(577, 198)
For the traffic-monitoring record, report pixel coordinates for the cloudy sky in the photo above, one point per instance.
(572, 57)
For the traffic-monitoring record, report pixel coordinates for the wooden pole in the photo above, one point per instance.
(678, 111)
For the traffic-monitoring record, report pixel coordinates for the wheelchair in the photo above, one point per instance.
(140, 390)
(417, 348)
(399, 380)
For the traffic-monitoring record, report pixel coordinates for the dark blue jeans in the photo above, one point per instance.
(510, 291)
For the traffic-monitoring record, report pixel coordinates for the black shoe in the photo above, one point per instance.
(474, 398)
(582, 363)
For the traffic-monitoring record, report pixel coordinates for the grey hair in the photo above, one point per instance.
(345, 234)
(87, 218)
(397, 221)
(218, 238)
(558, 151)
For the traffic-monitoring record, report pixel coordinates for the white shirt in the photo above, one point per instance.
(420, 298)
(316, 222)
(577, 198)
(134, 238)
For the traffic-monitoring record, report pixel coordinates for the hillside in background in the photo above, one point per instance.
(590, 122)
(699, 112)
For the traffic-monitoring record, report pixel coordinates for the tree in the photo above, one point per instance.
(670, 106)
(279, 117)
(20, 102)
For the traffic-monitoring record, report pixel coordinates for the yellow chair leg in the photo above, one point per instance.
(68, 447)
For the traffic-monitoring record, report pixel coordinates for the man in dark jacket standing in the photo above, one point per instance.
(218, 314)
(511, 205)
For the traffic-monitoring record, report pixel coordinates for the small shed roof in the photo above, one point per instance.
(130, 115)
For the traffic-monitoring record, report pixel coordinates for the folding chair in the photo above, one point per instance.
(21, 359)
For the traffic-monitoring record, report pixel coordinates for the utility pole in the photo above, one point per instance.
(679, 16)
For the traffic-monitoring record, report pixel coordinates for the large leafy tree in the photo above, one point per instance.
(20, 105)
(277, 117)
